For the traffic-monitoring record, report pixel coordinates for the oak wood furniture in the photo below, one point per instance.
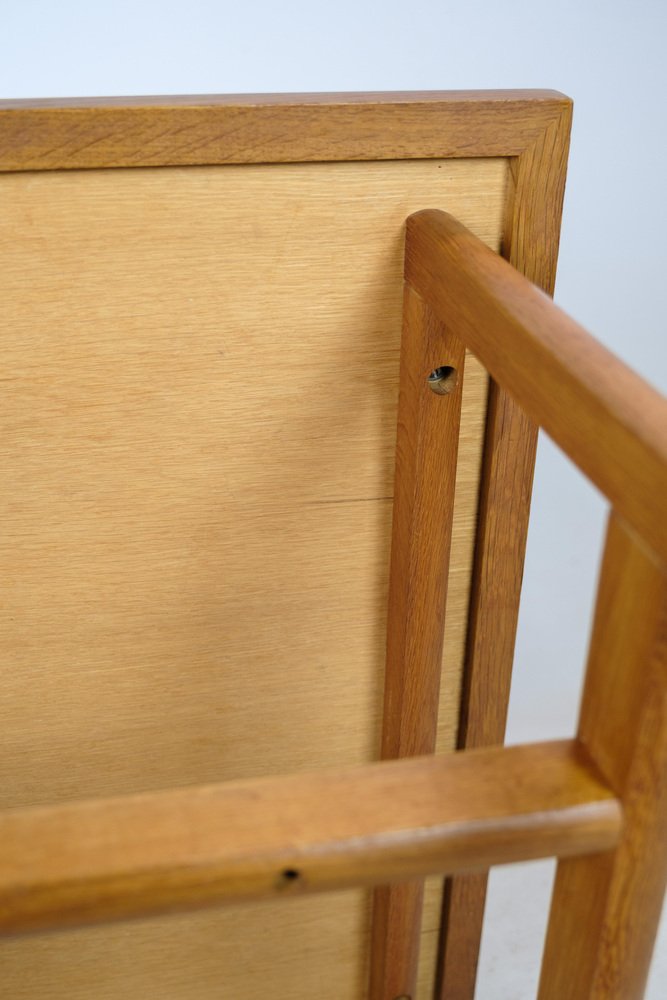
(198, 437)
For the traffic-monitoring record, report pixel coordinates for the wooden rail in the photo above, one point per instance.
(92, 861)
(607, 419)
(425, 477)
(613, 425)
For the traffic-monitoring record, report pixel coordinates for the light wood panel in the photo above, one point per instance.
(197, 444)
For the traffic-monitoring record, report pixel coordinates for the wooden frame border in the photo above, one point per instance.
(529, 127)
(532, 227)
(88, 133)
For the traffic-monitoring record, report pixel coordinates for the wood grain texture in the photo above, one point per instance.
(605, 910)
(530, 244)
(186, 131)
(424, 484)
(114, 858)
(607, 419)
(45, 135)
(197, 443)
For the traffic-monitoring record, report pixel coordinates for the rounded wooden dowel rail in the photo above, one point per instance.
(604, 416)
(93, 861)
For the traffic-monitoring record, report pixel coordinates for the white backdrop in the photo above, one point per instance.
(611, 58)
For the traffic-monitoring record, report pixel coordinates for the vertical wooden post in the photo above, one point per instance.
(426, 453)
(605, 909)
(502, 526)
(530, 244)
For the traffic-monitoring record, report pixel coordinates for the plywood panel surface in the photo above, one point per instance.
(197, 424)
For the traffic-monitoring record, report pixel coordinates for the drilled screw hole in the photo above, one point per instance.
(289, 875)
(442, 380)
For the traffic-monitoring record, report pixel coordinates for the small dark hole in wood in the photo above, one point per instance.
(290, 875)
(442, 380)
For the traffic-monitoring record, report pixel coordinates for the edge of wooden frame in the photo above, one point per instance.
(532, 230)
(88, 133)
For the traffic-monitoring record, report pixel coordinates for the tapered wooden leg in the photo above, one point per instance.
(463, 900)
(605, 909)
(426, 453)
(397, 911)
(507, 475)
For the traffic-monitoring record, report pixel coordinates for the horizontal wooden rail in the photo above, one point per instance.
(85, 862)
(610, 422)
(83, 133)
